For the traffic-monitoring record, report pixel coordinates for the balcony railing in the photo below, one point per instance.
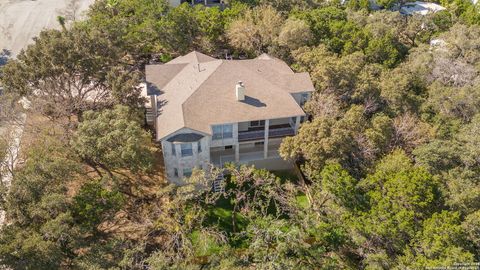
(260, 134)
(281, 132)
(250, 135)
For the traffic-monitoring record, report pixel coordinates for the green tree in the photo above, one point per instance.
(294, 34)
(256, 31)
(70, 72)
(114, 139)
(255, 192)
(40, 232)
(130, 25)
(93, 204)
(383, 51)
(400, 197)
(442, 241)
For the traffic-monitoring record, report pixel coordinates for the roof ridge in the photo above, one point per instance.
(198, 87)
(195, 55)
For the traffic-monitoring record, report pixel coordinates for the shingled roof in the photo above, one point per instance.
(197, 91)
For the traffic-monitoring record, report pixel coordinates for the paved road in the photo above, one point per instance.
(21, 20)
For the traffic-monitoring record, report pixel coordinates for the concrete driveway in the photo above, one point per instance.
(21, 20)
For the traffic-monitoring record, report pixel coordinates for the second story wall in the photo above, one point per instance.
(225, 139)
(198, 157)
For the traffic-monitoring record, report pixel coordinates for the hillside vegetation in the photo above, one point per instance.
(392, 150)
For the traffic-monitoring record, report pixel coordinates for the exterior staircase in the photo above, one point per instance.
(219, 183)
(150, 116)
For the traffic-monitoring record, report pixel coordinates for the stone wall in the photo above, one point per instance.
(197, 160)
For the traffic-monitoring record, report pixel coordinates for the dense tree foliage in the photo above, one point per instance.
(69, 72)
(390, 151)
(113, 139)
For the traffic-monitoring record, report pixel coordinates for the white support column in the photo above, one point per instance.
(178, 151)
(265, 145)
(154, 105)
(237, 152)
(235, 132)
(195, 153)
(236, 144)
(297, 124)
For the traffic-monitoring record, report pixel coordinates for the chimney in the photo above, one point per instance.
(240, 91)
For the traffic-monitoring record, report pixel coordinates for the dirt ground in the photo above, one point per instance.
(21, 20)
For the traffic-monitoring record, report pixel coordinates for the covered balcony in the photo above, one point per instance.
(273, 132)
(258, 130)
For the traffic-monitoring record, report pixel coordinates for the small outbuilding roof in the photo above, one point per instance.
(421, 8)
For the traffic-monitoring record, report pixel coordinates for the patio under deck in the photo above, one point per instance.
(247, 154)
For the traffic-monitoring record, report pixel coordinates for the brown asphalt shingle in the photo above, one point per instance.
(201, 93)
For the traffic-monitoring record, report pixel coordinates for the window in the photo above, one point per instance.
(175, 172)
(259, 143)
(227, 131)
(217, 132)
(260, 123)
(228, 147)
(186, 149)
(304, 99)
(222, 132)
(187, 172)
(199, 149)
(174, 150)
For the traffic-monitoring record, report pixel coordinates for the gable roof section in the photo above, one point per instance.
(201, 93)
(176, 91)
(215, 102)
(193, 57)
(160, 75)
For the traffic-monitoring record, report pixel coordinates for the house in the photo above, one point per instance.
(421, 8)
(211, 111)
(175, 3)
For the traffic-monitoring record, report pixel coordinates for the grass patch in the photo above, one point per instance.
(204, 245)
(302, 201)
(221, 214)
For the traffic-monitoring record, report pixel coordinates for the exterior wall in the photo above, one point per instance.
(280, 121)
(243, 126)
(198, 160)
(174, 3)
(203, 159)
(298, 96)
(225, 142)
